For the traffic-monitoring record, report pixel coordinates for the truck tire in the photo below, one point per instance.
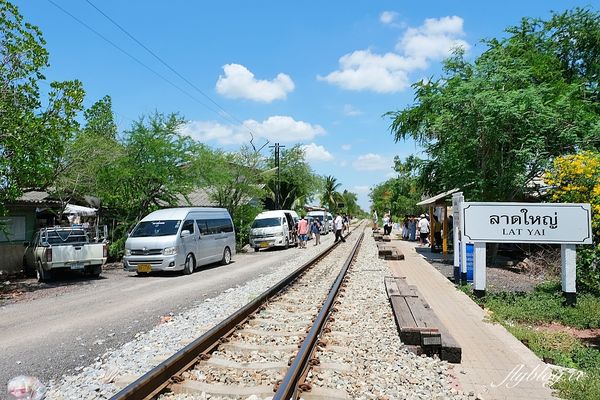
(42, 275)
(190, 264)
(96, 271)
(28, 270)
(226, 256)
(256, 249)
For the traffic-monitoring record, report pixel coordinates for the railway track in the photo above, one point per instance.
(264, 349)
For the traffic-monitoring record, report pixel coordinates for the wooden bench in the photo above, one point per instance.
(420, 329)
(388, 252)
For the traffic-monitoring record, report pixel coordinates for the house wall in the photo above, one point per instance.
(20, 226)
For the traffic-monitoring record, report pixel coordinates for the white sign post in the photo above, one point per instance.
(457, 199)
(560, 223)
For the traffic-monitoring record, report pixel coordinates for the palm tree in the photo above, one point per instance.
(330, 194)
(350, 202)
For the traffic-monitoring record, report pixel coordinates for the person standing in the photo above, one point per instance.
(375, 219)
(303, 231)
(437, 234)
(339, 224)
(412, 228)
(315, 228)
(423, 226)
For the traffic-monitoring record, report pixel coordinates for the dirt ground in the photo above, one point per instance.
(499, 278)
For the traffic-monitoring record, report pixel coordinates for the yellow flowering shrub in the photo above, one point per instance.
(575, 178)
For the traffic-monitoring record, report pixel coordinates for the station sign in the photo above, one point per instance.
(559, 223)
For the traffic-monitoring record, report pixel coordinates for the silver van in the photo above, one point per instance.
(322, 217)
(273, 228)
(180, 239)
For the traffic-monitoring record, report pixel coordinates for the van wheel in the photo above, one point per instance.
(43, 276)
(190, 265)
(287, 244)
(226, 256)
(256, 249)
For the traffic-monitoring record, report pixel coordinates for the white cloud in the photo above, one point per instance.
(239, 83)
(388, 73)
(314, 152)
(387, 17)
(351, 111)
(433, 40)
(343, 163)
(363, 70)
(346, 147)
(282, 129)
(371, 162)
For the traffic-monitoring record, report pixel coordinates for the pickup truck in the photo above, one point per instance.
(63, 248)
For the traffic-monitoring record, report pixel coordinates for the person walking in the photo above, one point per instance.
(315, 228)
(303, 231)
(423, 226)
(339, 224)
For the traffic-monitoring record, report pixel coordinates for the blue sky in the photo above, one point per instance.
(316, 73)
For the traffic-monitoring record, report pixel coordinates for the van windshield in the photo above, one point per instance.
(265, 222)
(156, 228)
(319, 217)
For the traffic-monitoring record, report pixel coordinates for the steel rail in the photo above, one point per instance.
(155, 380)
(288, 388)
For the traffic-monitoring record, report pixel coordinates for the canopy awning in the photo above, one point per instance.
(434, 199)
(80, 210)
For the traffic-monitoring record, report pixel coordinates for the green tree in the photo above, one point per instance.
(330, 195)
(33, 135)
(494, 125)
(237, 182)
(297, 180)
(100, 119)
(401, 194)
(89, 155)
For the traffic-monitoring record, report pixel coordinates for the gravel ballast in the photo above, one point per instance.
(364, 341)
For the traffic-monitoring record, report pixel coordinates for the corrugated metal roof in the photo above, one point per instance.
(198, 198)
(36, 197)
(435, 198)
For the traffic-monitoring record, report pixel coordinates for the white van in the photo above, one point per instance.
(180, 239)
(273, 228)
(322, 217)
(330, 222)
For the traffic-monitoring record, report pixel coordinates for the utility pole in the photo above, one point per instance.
(276, 148)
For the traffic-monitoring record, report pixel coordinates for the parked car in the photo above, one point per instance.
(180, 239)
(273, 228)
(322, 217)
(63, 248)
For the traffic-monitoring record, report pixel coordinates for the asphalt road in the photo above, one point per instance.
(67, 324)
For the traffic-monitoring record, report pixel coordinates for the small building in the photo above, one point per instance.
(25, 216)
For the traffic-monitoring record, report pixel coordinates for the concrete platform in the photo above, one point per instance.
(494, 363)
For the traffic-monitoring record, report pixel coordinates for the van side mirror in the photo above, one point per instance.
(185, 233)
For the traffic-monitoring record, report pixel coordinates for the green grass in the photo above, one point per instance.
(545, 304)
(520, 312)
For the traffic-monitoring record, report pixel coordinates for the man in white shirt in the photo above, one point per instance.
(423, 227)
(339, 224)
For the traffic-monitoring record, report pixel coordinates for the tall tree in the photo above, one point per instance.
(297, 181)
(330, 195)
(494, 125)
(100, 119)
(32, 134)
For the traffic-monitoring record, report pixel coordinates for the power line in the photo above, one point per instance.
(137, 60)
(163, 62)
